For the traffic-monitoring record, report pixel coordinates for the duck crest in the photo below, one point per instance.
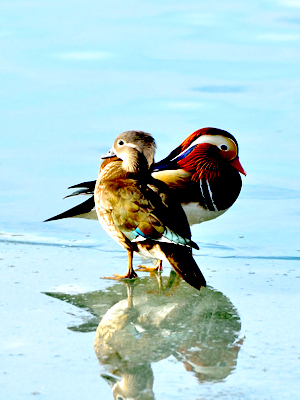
(205, 131)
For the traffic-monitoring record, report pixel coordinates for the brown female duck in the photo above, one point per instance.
(136, 210)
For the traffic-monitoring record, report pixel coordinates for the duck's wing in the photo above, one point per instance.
(169, 211)
(144, 212)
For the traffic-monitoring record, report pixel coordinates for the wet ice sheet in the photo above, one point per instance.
(38, 346)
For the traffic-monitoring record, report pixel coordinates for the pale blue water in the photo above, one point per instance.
(73, 76)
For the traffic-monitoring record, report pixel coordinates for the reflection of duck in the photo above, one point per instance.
(117, 328)
(207, 365)
(138, 212)
(136, 384)
(199, 329)
(203, 172)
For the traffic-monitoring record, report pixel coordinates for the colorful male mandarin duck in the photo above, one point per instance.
(203, 173)
(137, 211)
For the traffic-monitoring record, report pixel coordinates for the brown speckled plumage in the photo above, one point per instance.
(128, 199)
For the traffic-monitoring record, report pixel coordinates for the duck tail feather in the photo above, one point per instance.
(183, 263)
(78, 211)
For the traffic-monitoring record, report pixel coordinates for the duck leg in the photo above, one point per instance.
(157, 267)
(130, 274)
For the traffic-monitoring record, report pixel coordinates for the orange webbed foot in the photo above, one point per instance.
(157, 267)
(129, 275)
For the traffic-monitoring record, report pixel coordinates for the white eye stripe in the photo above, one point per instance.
(121, 143)
(131, 145)
(216, 140)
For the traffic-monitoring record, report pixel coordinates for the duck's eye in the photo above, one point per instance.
(120, 142)
(223, 147)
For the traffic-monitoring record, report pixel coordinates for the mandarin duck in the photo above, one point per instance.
(203, 172)
(138, 212)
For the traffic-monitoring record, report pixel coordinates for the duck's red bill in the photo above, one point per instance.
(237, 165)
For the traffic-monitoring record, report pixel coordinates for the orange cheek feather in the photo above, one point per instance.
(200, 164)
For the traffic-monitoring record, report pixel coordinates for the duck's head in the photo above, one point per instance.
(203, 151)
(225, 145)
(135, 148)
(137, 384)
